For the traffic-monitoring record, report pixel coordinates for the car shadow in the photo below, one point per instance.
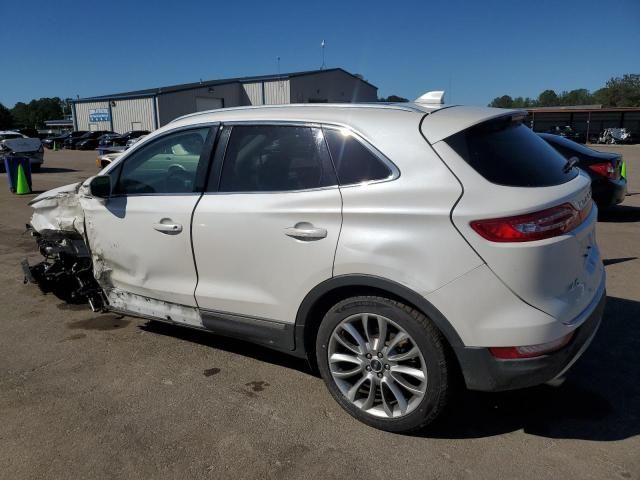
(600, 400)
(620, 214)
(54, 170)
(227, 344)
(612, 261)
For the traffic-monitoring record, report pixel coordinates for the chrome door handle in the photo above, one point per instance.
(170, 228)
(305, 231)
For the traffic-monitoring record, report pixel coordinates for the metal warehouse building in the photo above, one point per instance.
(590, 120)
(155, 107)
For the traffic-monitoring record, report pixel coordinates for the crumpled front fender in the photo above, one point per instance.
(58, 210)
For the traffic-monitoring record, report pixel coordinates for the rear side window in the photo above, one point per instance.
(508, 153)
(354, 162)
(276, 158)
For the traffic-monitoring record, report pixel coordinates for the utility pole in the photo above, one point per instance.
(323, 64)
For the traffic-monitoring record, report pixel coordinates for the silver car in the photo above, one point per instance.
(19, 145)
(395, 247)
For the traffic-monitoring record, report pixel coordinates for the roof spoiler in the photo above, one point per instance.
(431, 98)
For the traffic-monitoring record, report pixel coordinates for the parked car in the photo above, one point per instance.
(28, 132)
(72, 142)
(614, 136)
(393, 247)
(133, 141)
(60, 139)
(19, 145)
(122, 140)
(608, 184)
(92, 142)
(567, 132)
(104, 160)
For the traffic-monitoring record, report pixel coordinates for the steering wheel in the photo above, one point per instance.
(178, 179)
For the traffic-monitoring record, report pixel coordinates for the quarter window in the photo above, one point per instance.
(166, 165)
(354, 162)
(269, 158)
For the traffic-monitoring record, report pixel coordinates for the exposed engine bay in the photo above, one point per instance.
(66, 271)
(67, 268)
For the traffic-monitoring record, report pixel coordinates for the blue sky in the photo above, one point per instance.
(476, 50)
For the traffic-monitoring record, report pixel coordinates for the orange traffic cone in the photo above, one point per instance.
(22, 185)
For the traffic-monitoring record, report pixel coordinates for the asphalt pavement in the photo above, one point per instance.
(86, 395)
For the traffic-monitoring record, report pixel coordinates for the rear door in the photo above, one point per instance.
(266, 230)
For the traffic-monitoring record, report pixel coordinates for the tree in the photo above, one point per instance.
(624, 91)
(504, 101)
(393, 99)
(618, 92)
(36, 112)
(548, 98)
(580, 96)
(6, 120)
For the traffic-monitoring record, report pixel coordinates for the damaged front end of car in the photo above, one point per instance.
(67, 269)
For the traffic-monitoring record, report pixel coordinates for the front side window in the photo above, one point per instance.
(165, 165)
(354, 162)
(276, 158)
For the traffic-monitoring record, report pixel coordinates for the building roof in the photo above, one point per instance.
(150, 92)
(55, 123)
(581, 109)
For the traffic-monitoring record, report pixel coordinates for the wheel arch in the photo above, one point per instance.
(335, 289)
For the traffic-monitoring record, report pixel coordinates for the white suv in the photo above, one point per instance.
(394, 246)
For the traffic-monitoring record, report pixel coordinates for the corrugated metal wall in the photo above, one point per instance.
(134, 114)
(253, 92)
(82, 115)
(276, 92)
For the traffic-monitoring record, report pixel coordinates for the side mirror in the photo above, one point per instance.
(100, 186)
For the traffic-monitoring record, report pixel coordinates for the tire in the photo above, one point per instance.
(394, 368)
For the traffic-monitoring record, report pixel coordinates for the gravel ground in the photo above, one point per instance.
(86, 395)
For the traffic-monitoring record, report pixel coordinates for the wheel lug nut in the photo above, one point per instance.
(387, 367)
(368, 368)
(369, 356)
(379, 354)
(379, 375)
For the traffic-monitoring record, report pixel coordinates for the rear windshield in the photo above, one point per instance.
(508, 153)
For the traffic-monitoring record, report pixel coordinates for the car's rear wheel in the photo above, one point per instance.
(384, 362)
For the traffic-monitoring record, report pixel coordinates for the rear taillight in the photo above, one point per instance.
(532, 226)
(530, 351)
(606, 169)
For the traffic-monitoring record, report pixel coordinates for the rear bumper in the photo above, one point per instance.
(484, 372)
(609, 193)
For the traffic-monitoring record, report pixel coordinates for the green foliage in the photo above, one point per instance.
(624, 91)
(618, 92)
(6, 120)
(504, 101)
(36, 112)
(548, 98)
(393, 99)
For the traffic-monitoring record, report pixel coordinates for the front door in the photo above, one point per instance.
(140, 236)
(265, 232)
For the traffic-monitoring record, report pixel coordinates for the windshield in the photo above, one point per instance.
(9, 136)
